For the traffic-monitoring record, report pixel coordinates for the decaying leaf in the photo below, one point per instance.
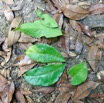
(59, 19)
(74, 12)
(29, 99)
(13, 35)
(97, 8)
(6, 90)
(100, 45)
(100, 37)
(7, 51)
(20, 97)
(24, 63)
(63, 97)
(8, 1)
(94, 56)
(84, 90)
(45, 90)
(27, 39)
(75, 25)
(8, 13)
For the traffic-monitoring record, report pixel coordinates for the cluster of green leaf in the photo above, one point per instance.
(44, 53)
(46, 26)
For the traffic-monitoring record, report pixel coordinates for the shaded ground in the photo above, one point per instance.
(75, 56)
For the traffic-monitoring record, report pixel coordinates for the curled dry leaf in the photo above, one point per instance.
(8, 13)
(74, 12)
(84, 90)
(27, 39)
(20, 97)
(13, 35)
(94, 56)
(25, 92)
(97, 8)
(8, 1)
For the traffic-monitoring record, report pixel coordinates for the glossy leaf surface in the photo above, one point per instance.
(44, 76)
(44, 53)
(78, 73)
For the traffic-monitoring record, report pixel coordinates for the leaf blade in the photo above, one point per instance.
(44, 76)
(44, 53)
(78, 73)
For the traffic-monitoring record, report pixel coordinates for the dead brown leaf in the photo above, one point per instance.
(100, 37)
(29, 100)
(8, 13)
(100, 45)
(7, 52)
(59, 19)
(45, 90)
(84, 90)
(7, 92)
(24, 63)
(94, 56)
(13, 35)
(75, 25)
(20, 97)
(74, 12)
(25, 46)
(97, 8)
(27, 39)
(63, 97)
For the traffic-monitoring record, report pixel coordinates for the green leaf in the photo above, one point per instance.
(44, 76)
(78, 73)
(44, 53)
(47, 20)
(45, 27)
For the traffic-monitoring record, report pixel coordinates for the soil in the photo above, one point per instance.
(28, 14)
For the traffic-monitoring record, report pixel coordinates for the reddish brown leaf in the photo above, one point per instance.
(3, 80)
(84, 90)
(8, 13)
(13, 35)
(20, 97)
(100, 37)
(97, 8)
(25, 92)
(74, 12)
